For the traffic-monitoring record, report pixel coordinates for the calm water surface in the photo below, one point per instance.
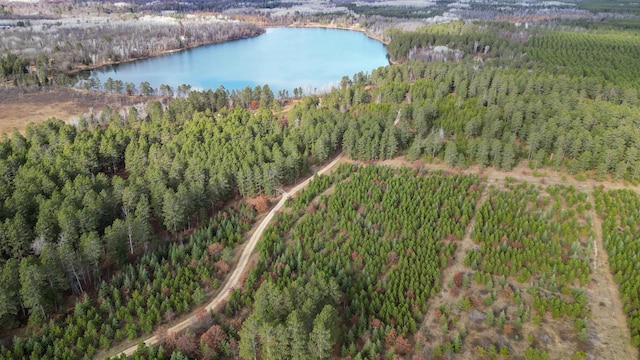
(283, 58)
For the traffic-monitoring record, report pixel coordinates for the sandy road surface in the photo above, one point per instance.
(234, 279)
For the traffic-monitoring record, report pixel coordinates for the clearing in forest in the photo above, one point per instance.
(520, 291)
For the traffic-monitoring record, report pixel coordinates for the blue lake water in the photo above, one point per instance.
(284, 58)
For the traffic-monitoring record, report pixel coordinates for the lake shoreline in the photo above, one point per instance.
(161, 53)
(263, 26)
(324, 55)
(339, 27)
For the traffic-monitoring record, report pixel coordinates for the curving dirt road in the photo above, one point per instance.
(233, 280)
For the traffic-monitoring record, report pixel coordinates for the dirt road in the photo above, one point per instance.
(609, 324)
(234, 279)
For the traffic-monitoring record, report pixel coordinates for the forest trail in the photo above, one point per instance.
(608, 330)
(521, 172)
(612, 338)
(446, 297)
(234, 279)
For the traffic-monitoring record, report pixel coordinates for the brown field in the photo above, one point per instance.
(18, 107)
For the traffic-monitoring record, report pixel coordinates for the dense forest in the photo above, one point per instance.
(126, 213)
(80, 203)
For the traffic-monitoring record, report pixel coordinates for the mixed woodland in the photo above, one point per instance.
(111, 228)
(45, 52)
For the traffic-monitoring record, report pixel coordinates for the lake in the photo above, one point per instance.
(284, 58)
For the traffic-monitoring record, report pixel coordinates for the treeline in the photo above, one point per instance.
(394, 11)
(603, 51)
(499, 40)
(12, 66)
(615, 6)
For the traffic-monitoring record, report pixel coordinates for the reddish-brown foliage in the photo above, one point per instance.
(508, 329)
(236, 323)
(262, 203)
(233, 347)
(376, 323)
(169, 315)
(391, 337)
(437, 313)
(506, 292)
(215, 248)
(222, 267)
(457, 279)
(393, 258)
(203, 318)
(475, 300)
(187, 344)
(213, 337)
(403, 346)
(167, 339)
(410, 294)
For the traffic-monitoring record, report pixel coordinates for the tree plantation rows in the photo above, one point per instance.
(359, 268)
(620, 211)
(612, 56)
(603, 51)
(533, 260)
(380, 240)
